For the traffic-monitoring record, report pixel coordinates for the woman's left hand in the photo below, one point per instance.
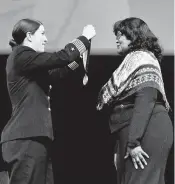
(137, 155)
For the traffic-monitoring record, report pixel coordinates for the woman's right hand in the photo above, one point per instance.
(89, 32)
(137, 155)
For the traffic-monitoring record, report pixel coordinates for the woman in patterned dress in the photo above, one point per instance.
(136, 100)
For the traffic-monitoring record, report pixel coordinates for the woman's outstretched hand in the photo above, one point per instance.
(137, 155)
(89, 32)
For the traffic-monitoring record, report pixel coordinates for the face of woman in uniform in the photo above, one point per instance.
(122, 43)
(38, 39)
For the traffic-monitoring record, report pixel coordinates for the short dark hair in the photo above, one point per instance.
(21, 28)
(142, 38)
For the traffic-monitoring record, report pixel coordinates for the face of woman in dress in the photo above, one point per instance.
(38, 39)
(122, 43)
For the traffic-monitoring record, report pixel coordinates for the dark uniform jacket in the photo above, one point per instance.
(29, 78)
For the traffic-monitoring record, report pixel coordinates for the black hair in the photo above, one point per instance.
(21, 28)
(141, 37)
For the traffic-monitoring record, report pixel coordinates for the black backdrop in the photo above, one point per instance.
(83, 148)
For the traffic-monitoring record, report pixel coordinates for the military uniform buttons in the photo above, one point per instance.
(121, 105)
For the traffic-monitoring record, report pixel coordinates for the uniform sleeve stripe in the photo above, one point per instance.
(73, 65)
(80, 46)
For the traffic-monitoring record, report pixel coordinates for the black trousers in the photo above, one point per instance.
(156, 142)
(28, 161)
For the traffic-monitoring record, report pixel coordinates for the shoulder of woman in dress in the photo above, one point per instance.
(140, 54)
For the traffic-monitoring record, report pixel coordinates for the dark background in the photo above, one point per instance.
(83, 148)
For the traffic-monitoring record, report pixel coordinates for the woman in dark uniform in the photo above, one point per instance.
(27, 136)
(136, 100)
